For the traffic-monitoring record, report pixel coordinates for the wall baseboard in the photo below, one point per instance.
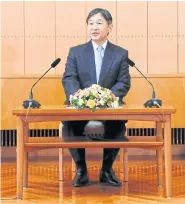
(9, 137)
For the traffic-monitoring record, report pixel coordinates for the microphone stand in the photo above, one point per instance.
(154, 102)
(33, 103)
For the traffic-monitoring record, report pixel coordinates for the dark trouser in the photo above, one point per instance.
(113, 129)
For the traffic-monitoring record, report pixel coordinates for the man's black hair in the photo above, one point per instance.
(106, 15)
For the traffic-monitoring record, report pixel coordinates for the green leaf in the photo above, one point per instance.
(93, 109)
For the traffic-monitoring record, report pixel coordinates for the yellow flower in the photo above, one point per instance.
(91, 103)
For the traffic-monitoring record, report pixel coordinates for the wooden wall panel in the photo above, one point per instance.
(12, 21)
(12, 50)
(14, 91)
(0, 69)
(0, 100)
(170, 90)
(50, 92)
(111, 7)
(12, 38)
(70, 29)
(132, 31)
(162, 37)
(39, 36)
(181, 40)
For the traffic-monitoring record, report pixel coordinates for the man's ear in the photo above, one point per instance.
(110, 28)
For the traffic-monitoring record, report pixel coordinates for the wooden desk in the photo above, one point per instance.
(62, 113)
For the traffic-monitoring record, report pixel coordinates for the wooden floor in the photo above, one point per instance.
(44, 186)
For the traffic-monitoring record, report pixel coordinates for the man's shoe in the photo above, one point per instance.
(81, 178)
(109, 178)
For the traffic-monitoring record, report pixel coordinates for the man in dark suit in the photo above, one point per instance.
(97, 62)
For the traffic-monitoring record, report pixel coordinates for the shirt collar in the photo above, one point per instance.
(95, 45)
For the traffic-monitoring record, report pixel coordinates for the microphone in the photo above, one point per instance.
(152, 102)
(32, 103)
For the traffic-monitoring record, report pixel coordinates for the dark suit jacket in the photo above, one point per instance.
(80, 71)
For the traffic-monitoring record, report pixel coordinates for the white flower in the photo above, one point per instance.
(75, 97)
(86, 92)
(70, 97)
(102, 102)
(80, 102)
(94, 92)
(115, 104)
(95, 86)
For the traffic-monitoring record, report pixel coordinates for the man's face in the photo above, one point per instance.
(98, 28)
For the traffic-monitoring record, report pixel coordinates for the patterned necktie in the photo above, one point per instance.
(98, 61)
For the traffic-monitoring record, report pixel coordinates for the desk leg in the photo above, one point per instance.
(25, 180)
(61, 156)
(168, 156)
(124, 163)
(159, 153)
(73, 166)
(61, 164)
(61, 192)
(20, 158)
(121, 160)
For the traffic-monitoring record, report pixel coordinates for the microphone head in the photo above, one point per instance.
(54, 64)
(130, 62)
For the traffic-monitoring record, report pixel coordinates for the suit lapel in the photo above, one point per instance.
(90, 62)
(107, 62)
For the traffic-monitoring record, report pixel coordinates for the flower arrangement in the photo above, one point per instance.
(94, 97)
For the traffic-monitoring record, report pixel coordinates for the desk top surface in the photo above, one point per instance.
(125, 109)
